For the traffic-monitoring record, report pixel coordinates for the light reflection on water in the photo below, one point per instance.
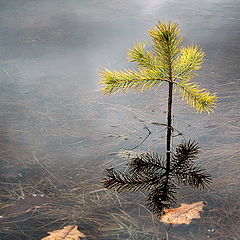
(50, 55)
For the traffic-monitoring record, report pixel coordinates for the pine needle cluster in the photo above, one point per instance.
(164, 61)
(147, 172)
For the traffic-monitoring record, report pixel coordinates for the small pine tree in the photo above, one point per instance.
(176, 65)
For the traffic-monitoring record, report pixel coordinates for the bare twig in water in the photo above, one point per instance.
(173, 129)
(149, 133)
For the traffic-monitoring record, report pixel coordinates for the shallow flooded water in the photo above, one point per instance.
(58, 132)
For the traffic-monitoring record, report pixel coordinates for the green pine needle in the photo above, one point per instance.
(129, 79)
(189, 60)
(200, 99)
(143, 57)
(166, 41)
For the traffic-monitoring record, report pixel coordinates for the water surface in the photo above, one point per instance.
(56, 125)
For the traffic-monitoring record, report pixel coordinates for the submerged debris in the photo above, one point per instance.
(27, 204)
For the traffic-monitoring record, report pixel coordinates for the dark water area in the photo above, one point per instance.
(58, 132)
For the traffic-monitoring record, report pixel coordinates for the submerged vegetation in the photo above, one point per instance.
(176, 65)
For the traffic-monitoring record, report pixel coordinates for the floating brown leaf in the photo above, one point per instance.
(184, 214)
(67, 233)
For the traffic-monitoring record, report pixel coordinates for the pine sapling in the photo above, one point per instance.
(167, 62)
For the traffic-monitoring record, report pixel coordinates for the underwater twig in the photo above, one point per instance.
(173, 128)
(149, 133)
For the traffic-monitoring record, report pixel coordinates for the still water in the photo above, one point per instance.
(58, 132)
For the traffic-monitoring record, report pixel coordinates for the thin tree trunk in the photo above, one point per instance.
(169, 125)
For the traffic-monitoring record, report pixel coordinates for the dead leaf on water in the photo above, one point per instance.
(67, 233)
(183, 214)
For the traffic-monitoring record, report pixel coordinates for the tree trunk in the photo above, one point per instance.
(169, 125)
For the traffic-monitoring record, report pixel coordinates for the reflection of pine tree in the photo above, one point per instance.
(148, 172)
(167, 62)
